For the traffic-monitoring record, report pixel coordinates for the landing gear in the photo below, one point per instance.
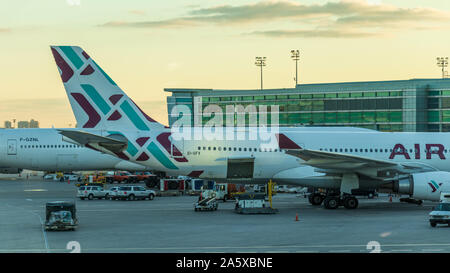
(332, 202)
(348, 201)
(316, 199)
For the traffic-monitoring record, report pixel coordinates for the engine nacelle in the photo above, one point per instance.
(10, 170)
(424, 186)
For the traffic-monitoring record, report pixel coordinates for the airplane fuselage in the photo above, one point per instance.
(45, 150)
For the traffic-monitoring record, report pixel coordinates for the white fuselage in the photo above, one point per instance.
(211, 158)
(45, 150)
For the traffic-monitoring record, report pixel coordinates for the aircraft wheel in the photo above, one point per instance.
(331, 202)
(350, 202)
(316, 199)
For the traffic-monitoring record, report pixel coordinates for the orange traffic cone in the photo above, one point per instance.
(68, 181)
(296, 217)
(390, 198)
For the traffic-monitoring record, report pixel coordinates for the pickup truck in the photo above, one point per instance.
(121, 177)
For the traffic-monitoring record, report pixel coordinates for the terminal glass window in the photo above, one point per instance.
(383, 94)
(306, 96)
(446, 116)
(330, 118)
(369, 94)
(343, 117)
(433, 116)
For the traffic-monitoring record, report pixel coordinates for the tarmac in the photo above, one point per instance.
(170, 224)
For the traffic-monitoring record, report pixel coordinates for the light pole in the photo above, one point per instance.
(443, 63)
(261, 61)
(295, 55)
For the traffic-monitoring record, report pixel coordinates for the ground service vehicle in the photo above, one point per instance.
(134, 192)
(91, 192)
(226, 191)
(206, 201)
(441, 212)
(70, 177)
(121, 177)
(60, 215)
(111, 193)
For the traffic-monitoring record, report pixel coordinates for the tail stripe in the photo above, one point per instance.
(133, 116)
(97, 98)
(158, 154)
(66, 71)
(104, 74)
(73, 56)
(94, 117)
(115, 98)
(88, 70)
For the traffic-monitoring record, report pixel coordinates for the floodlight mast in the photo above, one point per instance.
(443, 63)
(261, 61)
(295, 55)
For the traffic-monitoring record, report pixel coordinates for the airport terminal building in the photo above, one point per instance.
(416, 105)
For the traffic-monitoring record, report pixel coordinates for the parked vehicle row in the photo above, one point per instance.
(116, 193)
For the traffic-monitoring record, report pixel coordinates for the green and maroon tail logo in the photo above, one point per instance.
(97, 101)
(434, 186)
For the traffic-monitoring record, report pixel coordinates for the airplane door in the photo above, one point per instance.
(12, 147)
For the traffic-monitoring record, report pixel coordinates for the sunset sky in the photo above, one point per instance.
(146, 46)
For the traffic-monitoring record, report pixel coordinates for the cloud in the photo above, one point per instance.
(138, 12)
(314, 34)
(346, 18)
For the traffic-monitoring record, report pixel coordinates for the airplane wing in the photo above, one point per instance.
(339, 162)
(85, 138)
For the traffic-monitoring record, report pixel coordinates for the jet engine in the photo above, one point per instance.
(10, 170)
(427, 185)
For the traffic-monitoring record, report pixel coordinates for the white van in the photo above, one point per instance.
(441, 213)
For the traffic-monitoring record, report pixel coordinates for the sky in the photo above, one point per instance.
(146, 46)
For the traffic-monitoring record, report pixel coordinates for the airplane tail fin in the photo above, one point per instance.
(96, 100)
